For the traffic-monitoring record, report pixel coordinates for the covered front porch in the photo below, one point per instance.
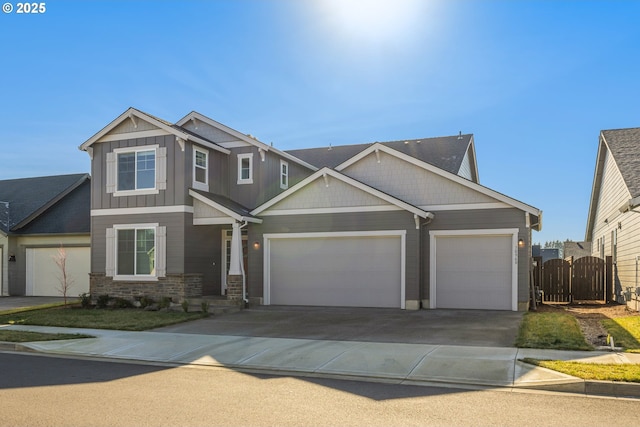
(230, 220)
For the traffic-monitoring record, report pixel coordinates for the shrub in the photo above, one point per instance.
(103, 301)
(146, 301)
(204, 306)
(165, 302)
(122, 303)
(185, 306)
(85, 300)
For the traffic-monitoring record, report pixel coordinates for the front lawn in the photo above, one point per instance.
(625, 332)
(25, 336)
(130, 319)
(551, 331)
(592, 371)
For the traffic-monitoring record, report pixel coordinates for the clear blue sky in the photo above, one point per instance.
(534, 81)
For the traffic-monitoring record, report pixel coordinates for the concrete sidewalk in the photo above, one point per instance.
(459, 366)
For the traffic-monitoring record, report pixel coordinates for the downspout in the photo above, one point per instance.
(421, 254)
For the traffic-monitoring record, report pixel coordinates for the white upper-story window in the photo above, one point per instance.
(284, 175)
(133, 171)
(245, 168)
(200, 169)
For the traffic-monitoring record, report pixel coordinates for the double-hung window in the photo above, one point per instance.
(200, 169)
(136, 252)
(136, 170)
(284, 175)
(245, 168)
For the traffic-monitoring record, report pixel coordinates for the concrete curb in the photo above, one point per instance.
(570, 384)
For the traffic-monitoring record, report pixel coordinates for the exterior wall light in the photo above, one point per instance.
(12, 258)
(256, 245)
(521, 243)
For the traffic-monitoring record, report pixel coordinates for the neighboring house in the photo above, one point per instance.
(37, 217)
(197, 208)
(545, 253)
(613, 222)
(576, 249)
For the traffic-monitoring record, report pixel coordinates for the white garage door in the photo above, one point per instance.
(43, 275)
(347, 271)
(474, 272)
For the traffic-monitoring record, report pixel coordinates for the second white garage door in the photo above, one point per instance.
(473, 271)
(354, 270)
(43, 275)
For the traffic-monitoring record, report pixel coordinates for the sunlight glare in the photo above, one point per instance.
(373, 21)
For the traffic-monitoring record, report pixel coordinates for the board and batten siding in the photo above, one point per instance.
(412, 183)
(176, 192)
(340, 222)
(479, 219)
(175, 227)
(266, 177)
(624, 226)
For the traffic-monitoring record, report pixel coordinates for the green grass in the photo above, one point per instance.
(25, 336)
(625, 332)
(120, 319)
(592, 371)
(551, 331)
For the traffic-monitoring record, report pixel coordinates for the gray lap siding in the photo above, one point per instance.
(343, 222)
(481, 219)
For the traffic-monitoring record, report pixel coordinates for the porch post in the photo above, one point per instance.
(235, 277)
(235, 268)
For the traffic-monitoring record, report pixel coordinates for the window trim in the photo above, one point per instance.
(241, 157)
(136, 150)
(284, 175)
(136, 277)
(204, 186)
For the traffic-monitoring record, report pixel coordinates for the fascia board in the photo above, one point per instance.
(471, 148)
(595, 185)
(243, 137)
(143, 116)
(443, 173)
(223, 209)
(224, 128)
(350, 181)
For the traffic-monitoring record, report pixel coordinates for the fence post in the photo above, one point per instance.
(570, 260)
(608, 279)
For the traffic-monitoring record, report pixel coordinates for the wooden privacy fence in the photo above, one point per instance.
(568, 280)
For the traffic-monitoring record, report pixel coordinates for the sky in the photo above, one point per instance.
(534, 81)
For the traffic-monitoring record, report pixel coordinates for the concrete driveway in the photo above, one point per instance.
(440, 327)
(9, 303)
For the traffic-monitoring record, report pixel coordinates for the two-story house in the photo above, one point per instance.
(613, 221)
(197, 208)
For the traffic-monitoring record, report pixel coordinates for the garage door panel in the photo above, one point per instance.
(43, 275)
(474, 272)
(336, 271)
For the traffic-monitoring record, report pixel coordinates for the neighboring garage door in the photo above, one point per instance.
(43, 275)
(332, 270)
(474, 271)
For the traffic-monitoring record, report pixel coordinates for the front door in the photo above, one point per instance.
(226, 256)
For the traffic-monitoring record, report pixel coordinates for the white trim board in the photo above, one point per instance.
(133, 135)
(433, 250)
(441, 172)
(326, 173)
(313, 211)
(142, 211)
(402, 234)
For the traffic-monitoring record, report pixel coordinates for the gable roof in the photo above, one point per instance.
(624, 147)
(446, 152)
(34, 204)
(225, 205)
(132, 113)
(448, 175)
(327, 172)
(195, 116)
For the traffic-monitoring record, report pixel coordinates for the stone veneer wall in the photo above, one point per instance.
(176, 286)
